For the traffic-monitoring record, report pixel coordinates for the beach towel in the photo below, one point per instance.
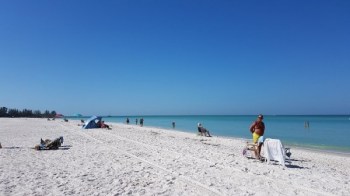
(274, 150)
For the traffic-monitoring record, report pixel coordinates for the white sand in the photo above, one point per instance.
(129, 160)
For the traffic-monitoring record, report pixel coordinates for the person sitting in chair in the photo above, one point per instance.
(258, 129)
(203, 131)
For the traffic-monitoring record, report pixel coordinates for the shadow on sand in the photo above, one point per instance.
(296, 167)
(16, 147)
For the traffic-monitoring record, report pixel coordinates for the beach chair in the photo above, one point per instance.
(203, 131)
(274, 150)
(252, 147)
(267, 149)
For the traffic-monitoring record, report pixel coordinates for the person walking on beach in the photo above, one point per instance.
(127, 121)
(136, 121)
(173, 125)
(257, 129)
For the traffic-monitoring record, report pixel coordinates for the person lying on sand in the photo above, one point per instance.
(49, 144)
(101, 124)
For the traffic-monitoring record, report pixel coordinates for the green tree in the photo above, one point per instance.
(3, 111)
(13, 113)
(37, 114)
(53, 114)
(46, 114)
(27, 113)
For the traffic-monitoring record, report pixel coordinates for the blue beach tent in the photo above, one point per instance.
(91, 123)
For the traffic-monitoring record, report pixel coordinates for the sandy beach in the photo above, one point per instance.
(133, 160)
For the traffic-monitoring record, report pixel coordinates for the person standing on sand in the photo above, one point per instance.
(141, 122)
(136, 121)
(127, 121)
(257, 129)
(173, 125)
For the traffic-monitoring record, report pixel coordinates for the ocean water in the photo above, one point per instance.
(325, 132)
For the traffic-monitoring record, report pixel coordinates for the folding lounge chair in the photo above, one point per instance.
(250, 146)
(266, 148)
(274, 150)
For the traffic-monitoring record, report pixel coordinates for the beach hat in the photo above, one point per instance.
(199, 124)
(261, 116)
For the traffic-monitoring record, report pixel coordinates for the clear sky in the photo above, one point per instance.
(124, 57)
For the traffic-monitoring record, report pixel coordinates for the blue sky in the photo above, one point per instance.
(176, 57)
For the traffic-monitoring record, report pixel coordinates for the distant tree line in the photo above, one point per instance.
(5, 112)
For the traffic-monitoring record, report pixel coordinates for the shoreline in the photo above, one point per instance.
(286, 144)
(317, 137)
(308, 147)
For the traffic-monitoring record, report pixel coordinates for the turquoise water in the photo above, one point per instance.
(326, 132)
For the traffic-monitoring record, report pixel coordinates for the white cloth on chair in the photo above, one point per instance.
(274, 150)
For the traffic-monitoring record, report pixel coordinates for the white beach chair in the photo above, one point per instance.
(251, 147)
(248, 150)
(267, 150)
(274, 150)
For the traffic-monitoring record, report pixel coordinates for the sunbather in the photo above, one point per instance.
(103, 125)
(203, 131)
(49, 145)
